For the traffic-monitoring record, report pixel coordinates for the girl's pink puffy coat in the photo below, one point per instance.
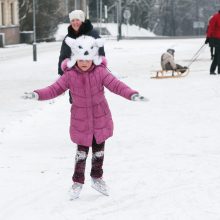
(90, 113)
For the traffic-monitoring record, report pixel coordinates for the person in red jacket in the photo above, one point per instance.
(213, 38)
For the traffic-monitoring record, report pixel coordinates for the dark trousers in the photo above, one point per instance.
(212, 52)
(80, 161)
(169, 67)
(178, 67)
(215, 61)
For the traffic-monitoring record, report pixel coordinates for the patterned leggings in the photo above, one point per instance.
(80, 161)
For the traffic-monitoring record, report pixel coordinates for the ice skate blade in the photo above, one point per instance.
(104, 192)
(74, 198)
(75, 191)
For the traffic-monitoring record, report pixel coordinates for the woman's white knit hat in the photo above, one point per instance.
(77, 14)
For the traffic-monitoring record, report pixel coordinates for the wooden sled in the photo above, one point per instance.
(164, 74)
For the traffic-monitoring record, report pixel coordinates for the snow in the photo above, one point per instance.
(127, 30)
(162, 162)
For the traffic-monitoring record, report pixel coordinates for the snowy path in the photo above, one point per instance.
(162, 163)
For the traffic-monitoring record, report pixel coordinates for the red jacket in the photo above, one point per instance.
(214, 27)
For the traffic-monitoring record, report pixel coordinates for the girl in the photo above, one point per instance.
(91, 120)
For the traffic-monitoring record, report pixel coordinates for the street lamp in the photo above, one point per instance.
(173, 18)
(34, 33)
(67, 6)
(119, 19)
(100, 19)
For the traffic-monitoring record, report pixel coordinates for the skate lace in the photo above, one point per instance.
(76, 187)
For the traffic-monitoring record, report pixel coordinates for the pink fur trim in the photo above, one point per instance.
(104, 61)
(64, 64)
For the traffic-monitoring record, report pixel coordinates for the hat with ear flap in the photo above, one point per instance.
(171, 51)
(84, 48)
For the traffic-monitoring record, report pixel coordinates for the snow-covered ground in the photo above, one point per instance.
(127, 30)
(162, 163)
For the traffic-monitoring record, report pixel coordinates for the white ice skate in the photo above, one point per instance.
(100, 185)
(75, 190)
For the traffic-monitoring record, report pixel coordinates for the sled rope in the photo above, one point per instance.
(195, 56)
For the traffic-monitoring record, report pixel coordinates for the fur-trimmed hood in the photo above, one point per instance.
(83, 30)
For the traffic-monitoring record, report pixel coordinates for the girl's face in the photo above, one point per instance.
(84, 65)
(76, 23)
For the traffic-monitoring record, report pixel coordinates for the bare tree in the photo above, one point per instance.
(48, 15)
(166, 17)
(25, 7)
(179, 17)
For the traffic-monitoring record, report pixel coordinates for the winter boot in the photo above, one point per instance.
(183, 70)
(100, 185)
(75, 190)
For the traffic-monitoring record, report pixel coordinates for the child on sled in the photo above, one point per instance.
(168, 62)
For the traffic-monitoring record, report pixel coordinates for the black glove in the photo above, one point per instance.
(207, 40)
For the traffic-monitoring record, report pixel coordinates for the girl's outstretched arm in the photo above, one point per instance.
(118, 87)
(50, 92)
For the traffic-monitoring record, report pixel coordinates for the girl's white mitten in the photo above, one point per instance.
(137, 97)
(30, 95)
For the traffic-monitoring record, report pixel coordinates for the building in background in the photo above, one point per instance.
(9, 21)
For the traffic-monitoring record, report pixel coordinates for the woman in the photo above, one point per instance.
(78, 26)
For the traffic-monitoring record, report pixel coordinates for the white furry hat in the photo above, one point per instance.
(84, 48)
(77, 14)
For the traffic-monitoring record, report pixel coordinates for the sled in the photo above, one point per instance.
(164, 74)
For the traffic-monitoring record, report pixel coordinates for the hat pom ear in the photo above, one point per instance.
(99, 42)
(97, 60)
(70, 63)
(70, 42)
